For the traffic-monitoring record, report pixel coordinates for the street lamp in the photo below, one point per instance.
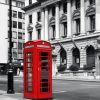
(10, 89)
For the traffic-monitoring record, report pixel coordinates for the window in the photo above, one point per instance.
(14, 14)
(14, 34)
(39, 33)
(65, 28)
(53, 28)
(38, 16)
(30, 18)
(53, 11)
(14, 45)
(7, 1)
(65, 7)
(15, 54)
(14, 24)
(20, 55)
(77, 25)
(20, 15)
(30, 2)
(30, 35)
(19, 25)
(77, 4)
(19, 4)
(19, 35)
(20, 45)
(92, 22)
(23, 15)
(92, 2)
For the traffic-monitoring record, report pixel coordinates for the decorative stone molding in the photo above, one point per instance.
(29, 28)
(52, 21)
(76, 14)
(38, 25)
(90, 11)
(63, 18)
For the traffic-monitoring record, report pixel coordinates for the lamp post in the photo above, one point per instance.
(10, 89)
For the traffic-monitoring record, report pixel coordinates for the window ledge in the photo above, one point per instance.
(76, 34)
(64, 36)
(91, 31)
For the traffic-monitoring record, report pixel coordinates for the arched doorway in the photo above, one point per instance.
(63, 60)
(90, 56)
(76, 56)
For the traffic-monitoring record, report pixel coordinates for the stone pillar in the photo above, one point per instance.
(57, 21)
(69, 34)
(50, 33)
(69, 58)
(46, 24)
(97, 63)
(97, 15)
(83, 57)
(61, 10)
(61, 30)
(43, 25)
(82, 16)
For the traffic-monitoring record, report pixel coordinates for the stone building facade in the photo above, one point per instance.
(72, 27)
(18, 32)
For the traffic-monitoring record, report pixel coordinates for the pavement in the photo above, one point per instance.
(19, 96)
(15, 96)
(76, 79)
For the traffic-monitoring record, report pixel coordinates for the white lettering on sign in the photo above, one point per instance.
(43, 46)
(29, 46)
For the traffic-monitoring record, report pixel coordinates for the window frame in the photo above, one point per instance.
(39, 33)
(14, 24)
(77, 4)
(78, 25)
(92, 22)
(30, 19)
(20, 16)
(20, 27)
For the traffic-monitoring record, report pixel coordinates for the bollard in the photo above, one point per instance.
(10, 82)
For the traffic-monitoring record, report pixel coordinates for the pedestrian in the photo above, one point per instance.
(18, 71)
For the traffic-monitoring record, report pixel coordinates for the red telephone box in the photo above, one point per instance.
(37, 70)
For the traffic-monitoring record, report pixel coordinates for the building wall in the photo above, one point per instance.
(3, 34)
(77, 37)
(17, 53)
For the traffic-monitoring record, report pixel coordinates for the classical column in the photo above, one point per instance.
(61, 30)
(69, 34)
(57, 22)
(82, 16)
(97, 15)
(83, 57)
(50, 33)
(69, 58)
(46, 24)
(43, 25)
(97, 63)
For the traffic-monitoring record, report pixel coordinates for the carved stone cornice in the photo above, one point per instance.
(76, 14)
(52, 21)
(38, 25)
(90, 11)
(29, 28)
(63, 18)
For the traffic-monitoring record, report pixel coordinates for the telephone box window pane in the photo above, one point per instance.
(44, 69)
(44, 54)
(44, 74)
(29, 89)
(29, 72)
(44, 90)
(44, 80)
(44, 59)
(45, 85)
